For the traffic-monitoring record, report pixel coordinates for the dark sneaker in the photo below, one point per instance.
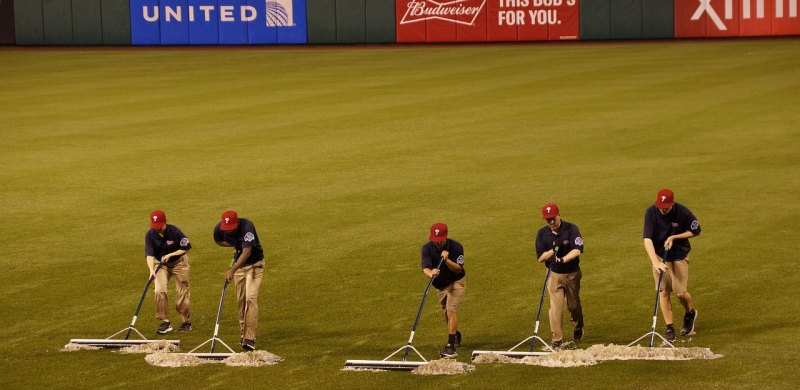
(458, 339)
(577, 334)
(249, 345)
(670, 333)
(688, 323)
(556, 345)
(448, 351)
(185, 327)
(164, 328)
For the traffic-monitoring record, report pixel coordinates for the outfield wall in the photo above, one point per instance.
(275, 22)
(6, 22)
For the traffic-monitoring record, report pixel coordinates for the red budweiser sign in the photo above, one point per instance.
(486, 21)
(457, 11)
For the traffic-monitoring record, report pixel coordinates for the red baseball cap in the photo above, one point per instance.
(438, 232)
(230, 220)
(157, 219)
(665, 199)
(550, 210)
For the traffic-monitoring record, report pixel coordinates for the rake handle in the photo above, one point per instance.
(419, 312)
(221, 303)
(655, 308)
(141, 300)
(541, 299)
(219, 313)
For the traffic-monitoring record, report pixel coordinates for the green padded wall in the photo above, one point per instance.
(626, 19)
(116, 21)
(380, 27)
(57, 19)
(28, 27)
(7, 22)
(321, 19)
(351, 21)
(87, 25)
(595, 19)
(658, 19)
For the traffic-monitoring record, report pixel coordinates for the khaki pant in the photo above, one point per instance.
(564, 287)
(676, 278)
(450, 297)
(182, 296)
(248, 282)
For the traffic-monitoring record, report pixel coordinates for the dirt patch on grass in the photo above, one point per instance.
(158, 346)
(444, 367)
(72, 347)
(598, 353)
(245, 359)
(253, 359)
(166, 359)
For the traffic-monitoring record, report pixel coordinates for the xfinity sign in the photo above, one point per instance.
(174, 22)
(751, 9)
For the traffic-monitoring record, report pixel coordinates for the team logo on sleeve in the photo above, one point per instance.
(249, 237)
(579, 241)
(184, 241)
(460, 260)
(695, 225)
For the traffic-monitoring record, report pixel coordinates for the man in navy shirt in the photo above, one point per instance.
(247, 271)
(667, 228)
(560, 243)
(450, 279)
(167, 244)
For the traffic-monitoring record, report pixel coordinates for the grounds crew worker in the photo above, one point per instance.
(247, 271)
(565, 278)
(668, 226)
(167, 244)
(450, 280)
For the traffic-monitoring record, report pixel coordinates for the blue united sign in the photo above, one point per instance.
(218, 22)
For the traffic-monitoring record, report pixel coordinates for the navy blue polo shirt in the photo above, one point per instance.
(431, 255)
(567, 239)
(173, 240)
(244, 236)
(658, 227)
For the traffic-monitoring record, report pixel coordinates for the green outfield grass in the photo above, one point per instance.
(344, 156)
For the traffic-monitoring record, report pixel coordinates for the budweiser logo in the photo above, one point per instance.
(457, 11)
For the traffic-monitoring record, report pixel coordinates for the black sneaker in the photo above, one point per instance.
(458, 339)
(556, 345)
(448, 351)
(577, 334)
(670, 333)
(164, 328)
(688, 323)
(185, 327)
(249, 345)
